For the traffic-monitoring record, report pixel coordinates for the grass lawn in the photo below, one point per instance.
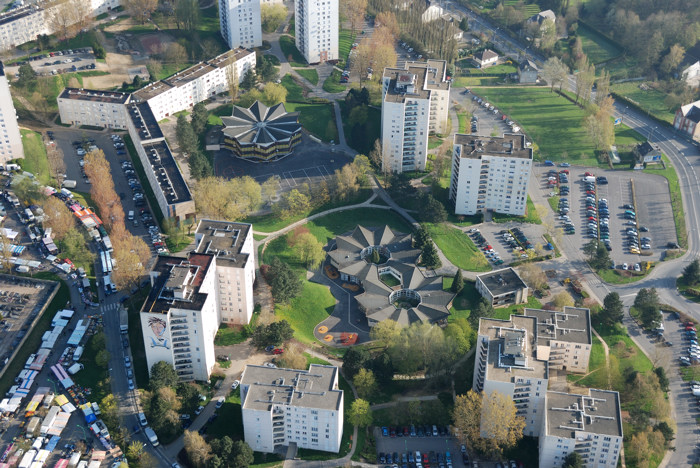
(295, 92)
(503, 69)
(554, 203)
(628, 357)
(389, 280)
(309, 74)
(35, 160)
(332, 83)
(433, 141)
(553, 122)
(334, 224)
(174, 246)
(469, 81)
(469, 297)
(597, 373)
(318, 119)
(626, 136)
(530, 215)
(597, 47)
(291, 52)
(138, 350)
(33, 341)
(93, 375)
(346, 39)
(676, 200)
(463, 122)
(313, 305)
(230, 420)
(227, 336)
(615, 276)
(650, 100)
(458, 248)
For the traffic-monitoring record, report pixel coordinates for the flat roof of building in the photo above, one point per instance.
(170, 179)
(95, 95)
(177, 283)
(17, 13)
(511, 350)
(406, 83)
(144, 121)
(223, 60)
(510, 145)
(502, 281)
(269, 387)
(224, 240)
(596, 413)
(573, 325)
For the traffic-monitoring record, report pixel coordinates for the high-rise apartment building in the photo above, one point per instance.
(415, 103)
(490, 173)
(316, 23)
(10, 138)
(564, 338)
(191, 296)
(285, 406)
(590, 425)
(240, 24)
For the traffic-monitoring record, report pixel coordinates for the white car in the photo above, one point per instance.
(235, 384)
(624, 266)
(220, 402)
(637, 267)
(199, 410)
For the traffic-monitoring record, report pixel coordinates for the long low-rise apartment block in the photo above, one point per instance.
(171, 191)
(91, 107)
(285, 406)
(10, 138)
(197, 83)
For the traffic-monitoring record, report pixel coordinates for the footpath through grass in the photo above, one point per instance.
(309, 74)
(458, 248)
(35, 159)
(676, 199)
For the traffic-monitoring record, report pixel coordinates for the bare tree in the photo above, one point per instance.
(584, 79)
(57, 165)
(232, 79)
(140, 10)
(354, 11)
(554, 71)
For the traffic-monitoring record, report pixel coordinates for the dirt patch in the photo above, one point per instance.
(351, 287)
(331, 272)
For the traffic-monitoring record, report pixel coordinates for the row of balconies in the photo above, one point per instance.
(181, 339)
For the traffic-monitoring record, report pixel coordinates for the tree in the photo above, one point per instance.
(554, 71)
(102, 358)
(389, 21)
(57, 217)
(573, 460)
(464, 24)
(186, 136)
(293, 357)
(483, 309)
(457, 282)
(492, 415)
(647, 304)
(365, 383)
(187, 14)
(602, 88)
(272, 17)
(421, 237)
(376, 154)
(673, 59)
(135, 451)
(162, 375)
(665, 429)
(199, 118)
(431, 210)
(354, 12)
(584, 79)
(274, 93)
(266, 69)
(197, 449)
(74, 246)
(691, 273)
(599, 124)
(163, 413)
(249, 80)
(175, 53)
(242, 454)
(275, 334)
(292, 203)
(345, 182)
(355, 359)
(429, 256)
(562, 299)
(612, 312)
(26, 77)
(140, 10)
(285, 283)
(233, 199)
(232, 80)
(533, 275)
(385, 333)
(597, 255)
(360, 413)
(131, 254)
(67, 17)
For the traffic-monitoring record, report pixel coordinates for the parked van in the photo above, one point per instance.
(69, 184)
(29, 215)
(548, 163)
(589, 179)
(77, 353)
(131, 216)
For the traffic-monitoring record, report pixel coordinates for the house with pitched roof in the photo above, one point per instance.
(687, 118)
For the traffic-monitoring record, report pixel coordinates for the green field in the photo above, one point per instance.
(307, 310)
(463, 123)
(529, 10)
(458, 248)
(470, 81)
(35, 160)
(553, 122)
(291, 52)
(676, 200)
(597, 47)
(531, 215)
(625, 136)
(318, 119)
(332, 83)
(346, 39)
(309, 74)
(295, 92)
(650, 100)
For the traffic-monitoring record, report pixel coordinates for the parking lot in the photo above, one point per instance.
(498, 236)
(64, 61)
(310, 163)
(651, 204)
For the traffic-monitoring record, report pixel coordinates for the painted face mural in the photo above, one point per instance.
(158, 327)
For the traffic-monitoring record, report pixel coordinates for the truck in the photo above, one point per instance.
(32, 426)
(69, 184)
(78, 352)
(22, 269)
(151, 434)
(75, 368)
(123, 321)
(110, 288)
(27, 459)
(574, 283)
(107, 243)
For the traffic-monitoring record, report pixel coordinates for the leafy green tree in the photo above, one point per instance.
(612, 312)
(199, 165)
(383, 368)
(596, 254)
(421, 237)
(573, 460)
(272, 17)
(249, 80)
(691, 273)
(431, 210)
(222, 447)
(285, 283)
(430, 257)
(266, 69)
(464, 24)
(663, 379)
(482, 309)
(365, 383)
(354, 360)
(102, 358)
(186, 137)
(647, 304)
(457, 282)
(26, 77)
(274, 334)
(664, 428)
(162, 375)
(242, 455)
(360, 413)
(187, 14)
(199, 118)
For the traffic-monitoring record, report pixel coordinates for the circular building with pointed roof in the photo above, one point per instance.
(261, 133)
(394, 288)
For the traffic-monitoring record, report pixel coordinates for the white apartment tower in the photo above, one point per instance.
(191, 296)
(239, 22)
(588, 424)
(415, 103)
(10, 138)
(564, 338)
(316, 23)
(507, 362)
(490, 173)
(284, 406)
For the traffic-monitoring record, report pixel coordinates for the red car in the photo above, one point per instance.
(564, 171)
(592, 218)
(488, 247)
(277, 351)
(689, 324)
(588, 174)
(690, 329)
(590, 192)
